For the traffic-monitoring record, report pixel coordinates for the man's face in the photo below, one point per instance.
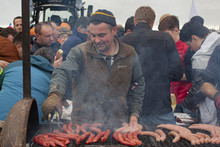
(194, 43)
(102, 37)
(55, 32)
(46, 36)
(18, 25)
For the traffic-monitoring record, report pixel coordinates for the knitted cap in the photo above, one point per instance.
(103, 15)
(64, 30)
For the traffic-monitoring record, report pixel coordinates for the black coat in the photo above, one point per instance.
(161, 64)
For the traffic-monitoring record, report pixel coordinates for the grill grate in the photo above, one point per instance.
(147, 141)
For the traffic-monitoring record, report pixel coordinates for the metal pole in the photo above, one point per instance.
(26, 49)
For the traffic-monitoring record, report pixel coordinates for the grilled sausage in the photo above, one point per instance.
(207, 138)
(89, 140)
(105, 137)
(176, 136)
(97, 137)
(149, 133)
(94, 128)
(162, 134)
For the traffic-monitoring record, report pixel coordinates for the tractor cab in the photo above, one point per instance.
(58, 11)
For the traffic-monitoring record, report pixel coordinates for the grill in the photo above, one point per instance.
(147, 141)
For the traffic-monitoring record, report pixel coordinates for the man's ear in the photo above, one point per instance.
(18, 46)
(194, 37)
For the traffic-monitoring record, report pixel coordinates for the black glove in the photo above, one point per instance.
(191, 102)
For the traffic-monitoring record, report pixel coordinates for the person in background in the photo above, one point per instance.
(8, 52)
(44, 38)
(102, 70)
(64, 34)
(211, 79)
(79, 35)
(161, 64)
(18, 43)
(12, 90)
(55, 43)
(129, 25)
(190, 53)
(8, 33)
(170, 24)
(17, 22)
(120, 31)
(203, 43)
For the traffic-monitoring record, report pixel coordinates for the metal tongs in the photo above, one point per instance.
(54, 118)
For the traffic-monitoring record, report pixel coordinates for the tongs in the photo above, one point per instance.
(54, 118)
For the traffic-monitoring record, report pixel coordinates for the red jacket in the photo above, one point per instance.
(180, 88)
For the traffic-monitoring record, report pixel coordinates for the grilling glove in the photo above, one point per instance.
(52, 103)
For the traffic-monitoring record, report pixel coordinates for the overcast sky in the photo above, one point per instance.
(122, 9)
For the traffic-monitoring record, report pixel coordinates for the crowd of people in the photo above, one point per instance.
(115, 74)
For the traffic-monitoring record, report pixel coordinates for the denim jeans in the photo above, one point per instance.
(167, 118)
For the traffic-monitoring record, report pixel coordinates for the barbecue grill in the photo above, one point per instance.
(147, 141)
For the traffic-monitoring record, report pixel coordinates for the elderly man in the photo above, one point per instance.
(102, 70)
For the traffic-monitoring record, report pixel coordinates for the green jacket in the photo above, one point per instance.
(100, 92)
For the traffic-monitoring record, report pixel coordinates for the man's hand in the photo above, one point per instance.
(52, 103)
(217, 99)
(3, 63)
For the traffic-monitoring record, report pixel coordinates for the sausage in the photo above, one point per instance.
(97, 137)
(57, 142)
(91, 136)
(125, 137)
(70, 127)
(207, 138)
(200, 137)
(78, 128)
(135, 136)
(176, 136)
(105, 137)
(173, 127)
(82, 137)
(93, 127)
(65, 140)
(83, 128)
(149, 133)
(214, 130)
(122, 141)
(162, 134)
(194, 140)
(41, 141)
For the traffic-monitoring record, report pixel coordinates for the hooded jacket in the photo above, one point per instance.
(11, 82)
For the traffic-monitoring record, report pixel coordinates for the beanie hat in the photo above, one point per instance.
(103, 15)
(64, 30)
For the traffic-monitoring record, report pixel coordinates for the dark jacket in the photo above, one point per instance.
(54, 47)
(100, 95)
(160, 63)
(75, 39)
(212, 73)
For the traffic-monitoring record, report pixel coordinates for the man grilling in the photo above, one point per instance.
(108, 86)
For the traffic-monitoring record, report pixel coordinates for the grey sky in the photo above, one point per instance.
(122, 9)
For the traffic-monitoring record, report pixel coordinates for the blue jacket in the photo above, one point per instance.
(75, 39)
(11, 83)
